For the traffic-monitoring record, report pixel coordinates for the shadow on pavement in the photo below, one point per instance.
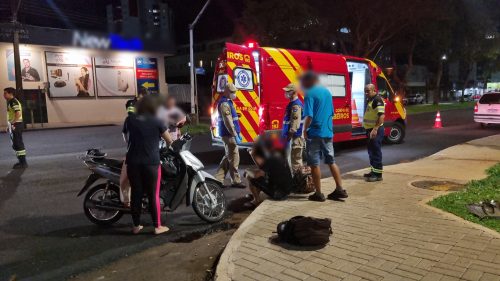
(9, 184)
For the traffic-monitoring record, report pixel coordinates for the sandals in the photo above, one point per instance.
(485, 209)
(251, 205)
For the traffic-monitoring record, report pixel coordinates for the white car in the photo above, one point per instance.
(487, 109)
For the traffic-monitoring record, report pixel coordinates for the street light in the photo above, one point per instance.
(194, 99)
(14, 5)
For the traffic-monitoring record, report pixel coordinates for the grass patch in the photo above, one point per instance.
(198, 129)
(420, 108)
(475, 191)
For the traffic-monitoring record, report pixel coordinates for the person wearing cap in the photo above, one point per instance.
(229, 130)
(292, 126)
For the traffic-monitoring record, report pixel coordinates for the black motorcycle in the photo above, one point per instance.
(182, 176)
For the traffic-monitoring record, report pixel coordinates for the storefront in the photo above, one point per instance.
(75, 85)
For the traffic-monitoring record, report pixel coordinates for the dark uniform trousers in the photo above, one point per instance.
(17, 140)
(375, 150)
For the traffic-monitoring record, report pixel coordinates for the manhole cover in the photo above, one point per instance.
(438, 185)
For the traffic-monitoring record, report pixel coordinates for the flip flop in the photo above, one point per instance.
(250, 205)
(485, 209)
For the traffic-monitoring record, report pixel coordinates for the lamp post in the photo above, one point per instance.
(194, 97)
(14, 5)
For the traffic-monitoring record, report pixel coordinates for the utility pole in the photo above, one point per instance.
(14, 5)
(194, 96)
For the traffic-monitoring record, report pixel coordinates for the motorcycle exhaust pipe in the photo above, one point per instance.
(94, 205)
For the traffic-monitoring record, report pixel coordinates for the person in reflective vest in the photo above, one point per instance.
(292, 126)
(15, 126)
(373, 122)
(229, 131)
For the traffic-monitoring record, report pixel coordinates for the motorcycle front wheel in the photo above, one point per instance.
(208, 210)
(98, 195)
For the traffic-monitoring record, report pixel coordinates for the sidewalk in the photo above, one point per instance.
(384, 231)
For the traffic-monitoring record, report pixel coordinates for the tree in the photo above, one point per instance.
(281, 23)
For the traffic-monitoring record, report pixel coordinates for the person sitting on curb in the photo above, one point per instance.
(272, 174)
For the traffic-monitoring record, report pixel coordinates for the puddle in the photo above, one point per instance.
(438, 185)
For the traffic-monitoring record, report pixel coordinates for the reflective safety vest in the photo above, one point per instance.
(288, 115)
(223, 131)
(14, 105)
(130, 106)
(371, 114)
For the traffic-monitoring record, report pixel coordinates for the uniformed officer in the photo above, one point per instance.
(373, 122)
(130, 105)
(15, 126)
(292, 125)
(229, 130)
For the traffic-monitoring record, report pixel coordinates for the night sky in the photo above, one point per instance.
(218, 21)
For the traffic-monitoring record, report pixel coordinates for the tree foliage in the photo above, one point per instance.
(464, 30)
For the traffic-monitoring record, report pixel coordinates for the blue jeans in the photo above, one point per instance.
(317, 148)
(375, 150)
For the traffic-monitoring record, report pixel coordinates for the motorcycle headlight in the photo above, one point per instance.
(191, 160)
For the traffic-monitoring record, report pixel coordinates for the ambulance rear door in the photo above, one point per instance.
(242, 62)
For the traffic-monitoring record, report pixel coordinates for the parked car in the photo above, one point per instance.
(414, 99)
(476, 97)
(487, 109)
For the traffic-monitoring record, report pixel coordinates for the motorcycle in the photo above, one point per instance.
(182, 177)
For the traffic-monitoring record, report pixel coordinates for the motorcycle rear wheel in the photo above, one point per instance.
(99, 216)
(202, 204)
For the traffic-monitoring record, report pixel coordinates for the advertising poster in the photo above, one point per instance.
(31, 66)
(147, 74)
(69, 75)
(114, 76)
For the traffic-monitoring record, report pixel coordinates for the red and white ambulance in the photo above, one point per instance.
(260, 73)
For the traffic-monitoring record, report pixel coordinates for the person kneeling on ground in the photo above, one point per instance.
(272, 174)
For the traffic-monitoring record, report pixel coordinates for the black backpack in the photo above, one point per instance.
(305, 231)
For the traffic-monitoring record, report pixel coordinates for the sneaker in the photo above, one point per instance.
(161, 229)
(319, 197)
(20, 165)
(338, 193)
(137, 229)
(238, 185)
(374, 178)
(367, 175)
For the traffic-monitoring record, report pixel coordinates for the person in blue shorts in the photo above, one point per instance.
(318, 132)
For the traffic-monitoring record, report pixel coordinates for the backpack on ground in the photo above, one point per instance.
(305, 231)
(302, 180)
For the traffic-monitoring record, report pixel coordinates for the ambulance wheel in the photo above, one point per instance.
(396, 135)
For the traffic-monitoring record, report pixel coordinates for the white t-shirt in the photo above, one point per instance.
(170, 118)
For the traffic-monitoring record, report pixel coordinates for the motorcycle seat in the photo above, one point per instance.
(112, 163)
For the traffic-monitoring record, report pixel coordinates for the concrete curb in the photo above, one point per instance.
(226, 267)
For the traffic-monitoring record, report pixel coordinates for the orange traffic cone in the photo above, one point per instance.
(355, 117)
(437, 123)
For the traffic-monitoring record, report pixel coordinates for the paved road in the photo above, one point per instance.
(45, 236)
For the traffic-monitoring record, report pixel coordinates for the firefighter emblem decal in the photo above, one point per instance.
(221, 84)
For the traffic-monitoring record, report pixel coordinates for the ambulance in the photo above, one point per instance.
(260, 73)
